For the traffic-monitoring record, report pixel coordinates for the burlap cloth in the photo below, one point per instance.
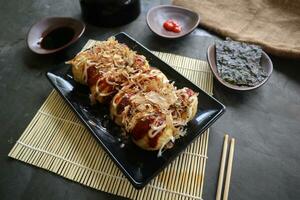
(273, 24)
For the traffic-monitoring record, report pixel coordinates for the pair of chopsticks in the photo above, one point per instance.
(222, 168)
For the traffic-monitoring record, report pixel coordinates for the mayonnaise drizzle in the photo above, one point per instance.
(154, 94)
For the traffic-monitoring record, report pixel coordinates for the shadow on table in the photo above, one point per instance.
(288, 67)
(47, 62)
(231, 98)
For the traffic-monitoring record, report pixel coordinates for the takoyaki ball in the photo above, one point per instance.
(100, 89)
(140, 63)
(152, 80)
(79, 67)
(150, 136)
(120, 101)
(185, 108)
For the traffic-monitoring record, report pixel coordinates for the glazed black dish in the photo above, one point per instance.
(138, 165)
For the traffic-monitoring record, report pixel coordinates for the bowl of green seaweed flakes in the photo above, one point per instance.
(238, 65)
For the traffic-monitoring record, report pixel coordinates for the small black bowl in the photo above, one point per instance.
(53, 34)
(265, 62)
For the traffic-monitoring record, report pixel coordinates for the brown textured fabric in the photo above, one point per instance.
(273, 24)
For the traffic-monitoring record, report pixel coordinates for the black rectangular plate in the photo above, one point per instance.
(138, 166)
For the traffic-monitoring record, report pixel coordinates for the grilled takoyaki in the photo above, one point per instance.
(149, 108)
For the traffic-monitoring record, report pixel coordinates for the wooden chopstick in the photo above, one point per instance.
(222, 168)
(229, 168)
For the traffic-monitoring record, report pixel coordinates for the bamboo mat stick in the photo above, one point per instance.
(229, 168)
(204, 162)
(222, 168)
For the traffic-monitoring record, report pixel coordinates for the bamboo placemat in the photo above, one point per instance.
(57, 141)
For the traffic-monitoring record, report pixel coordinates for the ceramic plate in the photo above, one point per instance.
(138, 166)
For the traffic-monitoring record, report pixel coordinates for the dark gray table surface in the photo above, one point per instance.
(265, 122)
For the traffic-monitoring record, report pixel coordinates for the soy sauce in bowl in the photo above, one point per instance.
(54, 34)
(57, 38)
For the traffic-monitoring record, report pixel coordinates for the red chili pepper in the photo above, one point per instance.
(172, 25)
(168, 26)
(177, 29)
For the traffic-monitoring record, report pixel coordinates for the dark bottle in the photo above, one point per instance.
(109, 13)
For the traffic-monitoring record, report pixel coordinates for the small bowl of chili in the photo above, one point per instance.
(172, 21)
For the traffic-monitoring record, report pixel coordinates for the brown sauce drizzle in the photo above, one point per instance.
(117, 98)
(141, 128)
(105, 87)
(153, 141)
(123, 103)
(92, 76)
